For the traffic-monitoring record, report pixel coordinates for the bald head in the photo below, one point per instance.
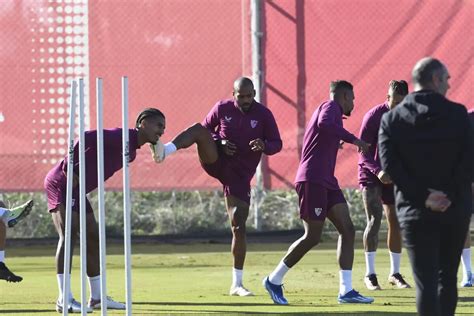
(242, 82)
(430, 74)
(244, 93)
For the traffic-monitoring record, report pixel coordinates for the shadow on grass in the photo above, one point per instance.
(26, 311)
(238, 304)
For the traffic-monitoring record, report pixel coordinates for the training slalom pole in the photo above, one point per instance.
(126, 198)
(100, 196)
(82, 200)
(67, 229)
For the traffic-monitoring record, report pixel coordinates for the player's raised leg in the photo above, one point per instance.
(10, 217)
(195, 134)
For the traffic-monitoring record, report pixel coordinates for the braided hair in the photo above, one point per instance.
(146, 113)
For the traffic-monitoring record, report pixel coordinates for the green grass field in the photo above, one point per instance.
(195, 279)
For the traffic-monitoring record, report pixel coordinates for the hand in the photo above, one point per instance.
(363, 147)
(384, 177)
(228, 147)
(257, 145)
(437, 201)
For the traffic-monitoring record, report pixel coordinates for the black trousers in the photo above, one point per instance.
(434, 248)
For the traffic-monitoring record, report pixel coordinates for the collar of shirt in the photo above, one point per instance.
(251, 107)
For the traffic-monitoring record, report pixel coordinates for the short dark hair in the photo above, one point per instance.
(424, 69)
(242, 82)
(146, 113)
(337, 85)
(398, 86)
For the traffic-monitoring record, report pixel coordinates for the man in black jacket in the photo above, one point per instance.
(425, 145)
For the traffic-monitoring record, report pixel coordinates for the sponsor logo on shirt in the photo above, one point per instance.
(318, 211)
(228, 118)
(253, 123)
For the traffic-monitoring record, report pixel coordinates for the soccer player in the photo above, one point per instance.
(426, 147)
(230, 142)
(10, 217)
(150, 125)
(377, 192)
(467, 278)
(320, 196)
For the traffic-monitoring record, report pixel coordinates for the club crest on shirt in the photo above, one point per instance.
(318, 211)
(253, 123)
(228, 118)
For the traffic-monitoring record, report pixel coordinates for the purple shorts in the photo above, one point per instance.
(387, 192)
(55, 185)
(233, 182)
(316, 201)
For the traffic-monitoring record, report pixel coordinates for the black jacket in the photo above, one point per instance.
(426, 142)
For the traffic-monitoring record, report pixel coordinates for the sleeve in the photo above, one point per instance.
(464, 170)
(271, 136)
(90, 137)
(391, 162)
(212, 121)
(368, 133)
(327, 124)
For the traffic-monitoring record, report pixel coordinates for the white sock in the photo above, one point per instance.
(94, 287)
(276, 277)
(370, 263)
(169, 148)
(2, 255)
(237, 277)
(60, 286)
(466, 262)
(395, 262)
(345, 281)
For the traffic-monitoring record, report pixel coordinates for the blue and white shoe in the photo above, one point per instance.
(353, 297)
(275, 291)
(18, 213)
(467, 281)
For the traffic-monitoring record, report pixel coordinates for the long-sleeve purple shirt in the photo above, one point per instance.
(320, 146)
(369, 163)
(226, 121)
(112, 156)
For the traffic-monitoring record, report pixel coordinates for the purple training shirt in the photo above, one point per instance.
(112, 156)
(226, 121)
(320, 146)
(369, 163)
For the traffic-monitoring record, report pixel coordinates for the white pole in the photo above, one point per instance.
(126, 197)
(100, 196)
(256, 29)
(82, 200)
(70, 166)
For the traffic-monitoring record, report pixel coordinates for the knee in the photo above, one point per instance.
(238, 228)
(348, 231)
(373, 226)
(311, 241)
(198, 129)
